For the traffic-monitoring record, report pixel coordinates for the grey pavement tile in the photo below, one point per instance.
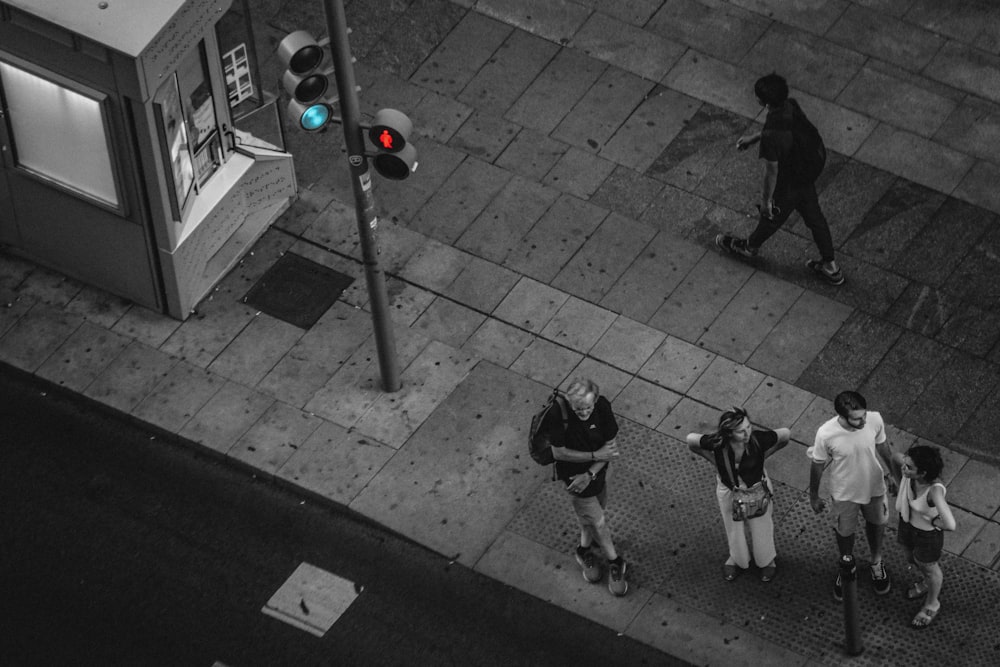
(915, 158)
(924, 310)
(530, 305)
(974, 488)
(940, 246)
(951, 397)
(650, 129)
(498, 342)
(335, 463)
(146, 326)
(412, 38)
(973, 128)
(482, 285)
(875, 34)
(985, 545)
(218, 319)
(868, 287)
(13, 271)
(274, 437)
(36, 335)
(256, 350)
(645, 403)
(676, 365)
(384, 90)
(426, 382)
(967, 68)
(888, 227)
(434, 265)
(335, 229)
(843, 130)
(12, 310)
(555, 238)
(978, 188)
(81, 358)
(676, 212)
(578, 324)
(689, 416)
(511, 69)
(977, 437)
(815, 16)
(181, 393)
(708, 134)
(901, 376)
(461, 198)
(578, 173)
(850, 194)
(438, 117)
(636, 12)
(809, 62)
(697, 301)
(777, 404)
(896, 102)
(556, 21)
(626, 192)
(974, 279)
(553, 93)
(452, 506)
(722, 31)
(226, 416)
(602, 259)
(749, 317)
(711, 80)
(602, 109)
(610, 381)
(546, 362)
(818, 412)
(368, 21)
(725, 383)
(804, 330)
(317, 355)
(304, 210)
(484, 135)
(627, 344)
(130, 376)
(848, 358)
(98, 306)
(655, 273)
(629, 47)
(448, 322)
(972, 329)
(960, 20)
(734, 181)
(48, 287)
(531, 154)
(969, 525)
(507, 218)
(407, 302)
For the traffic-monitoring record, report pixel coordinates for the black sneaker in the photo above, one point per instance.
(835, 278)
(617, 583)
(588, 563)
(838, 589)
(736, 246)
(880, 579)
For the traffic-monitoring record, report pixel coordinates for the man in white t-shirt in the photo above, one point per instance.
(849, 447)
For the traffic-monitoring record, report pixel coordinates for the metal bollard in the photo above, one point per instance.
(849, 580)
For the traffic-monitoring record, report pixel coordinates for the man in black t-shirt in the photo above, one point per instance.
(793, 156)
(582, 451)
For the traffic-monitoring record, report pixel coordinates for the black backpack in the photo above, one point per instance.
(808, 150)
(539, 445)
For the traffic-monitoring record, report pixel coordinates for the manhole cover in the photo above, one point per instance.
(297, 290)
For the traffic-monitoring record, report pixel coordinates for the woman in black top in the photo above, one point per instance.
(737, 448)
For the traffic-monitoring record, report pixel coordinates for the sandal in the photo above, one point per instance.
(916, 591)
(924, 618)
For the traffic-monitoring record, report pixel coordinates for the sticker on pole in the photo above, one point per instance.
(366, 181)
(374, 223)
(355, 160)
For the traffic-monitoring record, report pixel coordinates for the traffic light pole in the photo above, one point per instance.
(364, 201)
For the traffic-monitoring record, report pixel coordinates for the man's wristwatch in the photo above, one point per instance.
(593, 475)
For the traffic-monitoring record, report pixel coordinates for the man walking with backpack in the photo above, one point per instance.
(794, 156)
(582, 444)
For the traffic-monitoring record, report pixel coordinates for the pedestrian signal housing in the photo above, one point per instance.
(311, 105)
(395, 158)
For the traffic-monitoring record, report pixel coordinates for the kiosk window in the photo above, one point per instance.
(59, 133)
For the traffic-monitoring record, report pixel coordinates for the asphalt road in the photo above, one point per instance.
(120, 547)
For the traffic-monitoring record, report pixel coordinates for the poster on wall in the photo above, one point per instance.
(168, 103)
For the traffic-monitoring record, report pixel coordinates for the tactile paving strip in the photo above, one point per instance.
(663, 513)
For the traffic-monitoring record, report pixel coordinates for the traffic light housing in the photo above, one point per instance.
(395, 158)
(310, 106)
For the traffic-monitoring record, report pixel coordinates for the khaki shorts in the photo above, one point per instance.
(590, 511)
(845, 514)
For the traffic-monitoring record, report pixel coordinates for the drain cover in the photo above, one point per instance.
(297, 290)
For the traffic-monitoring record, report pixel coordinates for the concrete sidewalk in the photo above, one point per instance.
(576, 160)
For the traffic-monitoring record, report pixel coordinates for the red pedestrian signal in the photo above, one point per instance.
(390, 131)
(385, 140)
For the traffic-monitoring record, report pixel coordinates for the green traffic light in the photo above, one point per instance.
(315, 117)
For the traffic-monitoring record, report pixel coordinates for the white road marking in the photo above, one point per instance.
(311, 599)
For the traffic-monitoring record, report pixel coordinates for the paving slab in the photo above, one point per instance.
(689, 416)
(498, 342)
(627, 344)
(530, 305)
(482, 285)
(455, 61)
(578, 172)
(964, 67)
(556, 21)
(531, 154)
(255, 351)
(98, 306)
(896, 101)
(226, 417)
(578, 324)
(273, 438)
(725, 383)
(974, 488)
(434, 265)
(915, 158)
(650, 128)
(602, 109)
(974, 279)
(888, 38)
(567, 77)
(972, 128)
(644, 402)
(130, 376)
(448, 321)
(723, 31)
(626, 192)
(976, 187)
(939, 247)
(711, 80)
(676, 364)
(627, 46)
(815, 16)
(511, 69)
(484, 135)
(178, 396)
(81, 358)
(146, 326)
(777, 404)
(610, 380)
(461, 198)
(545, 362)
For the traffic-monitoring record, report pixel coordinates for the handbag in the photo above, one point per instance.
(748, 503)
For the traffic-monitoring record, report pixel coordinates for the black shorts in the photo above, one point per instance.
(926, 545)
